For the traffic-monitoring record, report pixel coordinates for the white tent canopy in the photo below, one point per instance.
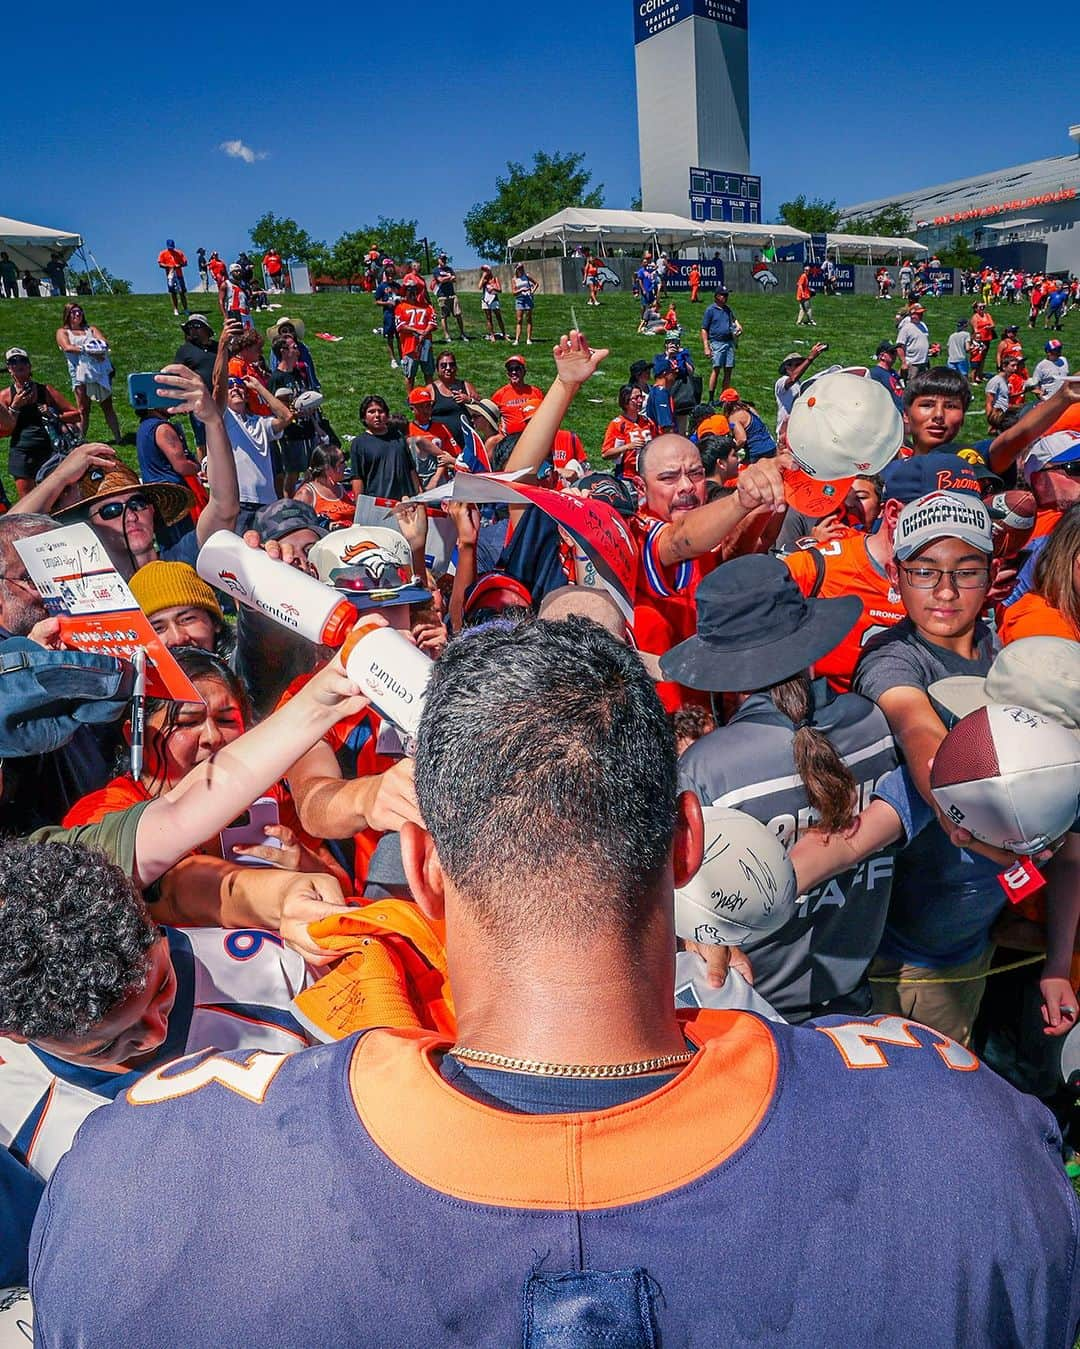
(874, 246)
(31, 246)
(578, 224)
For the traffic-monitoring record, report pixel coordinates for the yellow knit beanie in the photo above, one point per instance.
(169, 585)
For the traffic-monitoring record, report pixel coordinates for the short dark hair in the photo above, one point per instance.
(371, 399)
(73, 939)
(939, 381)
(546, 771)
(624, 395)
(714, 448)
(697, 415)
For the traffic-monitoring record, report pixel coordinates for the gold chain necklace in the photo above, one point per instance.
(541, 1069)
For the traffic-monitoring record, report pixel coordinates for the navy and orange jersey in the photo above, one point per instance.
(233, 988)
(373, 1202)
(845, 567)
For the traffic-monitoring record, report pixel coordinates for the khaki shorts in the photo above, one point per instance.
(449, 306)
(948, 1007)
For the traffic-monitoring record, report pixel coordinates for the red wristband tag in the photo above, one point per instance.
(1021, 881)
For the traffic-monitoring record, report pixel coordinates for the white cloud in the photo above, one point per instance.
(238, 150)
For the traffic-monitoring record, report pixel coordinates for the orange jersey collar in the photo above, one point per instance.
(628, 1154)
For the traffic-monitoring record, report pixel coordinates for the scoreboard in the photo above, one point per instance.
(734, 198)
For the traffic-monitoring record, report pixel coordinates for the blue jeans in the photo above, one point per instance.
(961, 367)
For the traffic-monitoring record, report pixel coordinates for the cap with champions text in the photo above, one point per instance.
(942, 515)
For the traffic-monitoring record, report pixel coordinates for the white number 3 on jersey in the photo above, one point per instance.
(250, 1077)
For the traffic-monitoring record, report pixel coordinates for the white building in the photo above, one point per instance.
(1037, 202)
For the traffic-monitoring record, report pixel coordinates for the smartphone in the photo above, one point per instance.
(143, 394)
(248, 829)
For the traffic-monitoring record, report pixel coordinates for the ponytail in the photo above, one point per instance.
(830, 786)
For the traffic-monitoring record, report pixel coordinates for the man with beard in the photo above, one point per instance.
(676, 532)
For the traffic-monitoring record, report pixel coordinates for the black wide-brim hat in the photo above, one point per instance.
(756, 628)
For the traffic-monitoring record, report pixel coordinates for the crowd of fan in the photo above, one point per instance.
(789, 649)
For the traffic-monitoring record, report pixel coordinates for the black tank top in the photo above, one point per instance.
(29, 434)
(448, 412)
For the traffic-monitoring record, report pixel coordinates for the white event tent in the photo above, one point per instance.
(605, 229)
(31, 246)
(876, 247)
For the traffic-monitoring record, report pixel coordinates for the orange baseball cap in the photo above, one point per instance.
(810, 496)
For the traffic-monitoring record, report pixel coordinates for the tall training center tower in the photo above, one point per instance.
(693, 97)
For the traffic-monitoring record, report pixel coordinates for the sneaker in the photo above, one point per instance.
(393, 364)
(529, 342)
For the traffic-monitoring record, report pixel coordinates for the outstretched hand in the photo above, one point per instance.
(575, 361)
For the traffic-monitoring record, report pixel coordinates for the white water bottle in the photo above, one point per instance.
(391, 671)
(288, 596)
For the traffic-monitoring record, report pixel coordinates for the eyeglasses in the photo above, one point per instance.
(22, 580)
(113, 510)
(18, 360)
(929, 578)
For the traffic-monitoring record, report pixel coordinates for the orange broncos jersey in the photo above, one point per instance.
(846, 568)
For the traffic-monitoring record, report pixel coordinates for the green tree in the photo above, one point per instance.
(815, 217)
(960, 254)
(98, 278)
(284, 234)
(635, 201)
(528, 195)
(892, 222)
(397, 239)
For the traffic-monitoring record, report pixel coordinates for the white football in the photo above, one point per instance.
(745, 887)
(1010, 777)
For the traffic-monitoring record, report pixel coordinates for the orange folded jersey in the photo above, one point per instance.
(393, 973)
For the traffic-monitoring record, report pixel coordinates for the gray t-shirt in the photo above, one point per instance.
(822, 953)
(959, 346)
(944, 899)
(915, 339)
(1049, 375)
(997, 387)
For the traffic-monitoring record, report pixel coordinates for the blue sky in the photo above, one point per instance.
(366, 111)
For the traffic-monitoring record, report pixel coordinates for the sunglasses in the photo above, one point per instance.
(18, 360)
(512, 368)
(113, 510)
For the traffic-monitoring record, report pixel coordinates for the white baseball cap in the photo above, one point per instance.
(1042, 673)
(843, 425)
(942, 515)
(1059, 447)
(350, 547)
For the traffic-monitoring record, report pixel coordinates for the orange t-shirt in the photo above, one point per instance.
(982, 327)
(1045, 523)
(1034, 616)
(802, 287)
(171, 257)
(517, 405)
(849, 570)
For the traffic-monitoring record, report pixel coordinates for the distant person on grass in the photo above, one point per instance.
(172, 262)
(719, 329)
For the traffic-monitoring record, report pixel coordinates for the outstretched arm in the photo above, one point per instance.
(1033, 424)
(216, 791)
(575, 362)
(192, 395)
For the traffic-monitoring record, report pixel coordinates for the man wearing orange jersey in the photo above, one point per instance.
(516, 400)
(676, 532)
(414, 320)
(857, 565)
(172, 262)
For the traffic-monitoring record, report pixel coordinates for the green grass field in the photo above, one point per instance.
(143, 336)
